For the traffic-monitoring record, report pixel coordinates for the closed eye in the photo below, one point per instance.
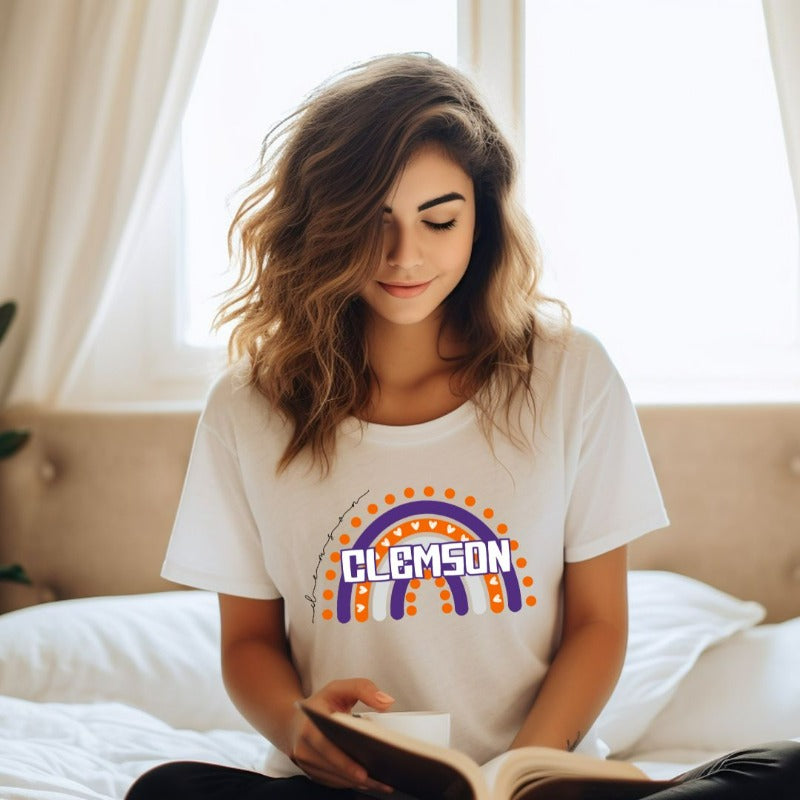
(440, 226)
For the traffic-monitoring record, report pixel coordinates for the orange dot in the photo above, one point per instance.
(415, 584)
(372, 508)
(327, 614)
(488, 513)
(427, 574)
(502, 528)
(330, 574)
(531, 601)
(344, 539)
(428, 491)
(335, 556)
(328, 594)
(411, 610)
(447, 608)
(355, 522)
(440, 582)
(445, 595)
(514, 544)
(408, 491)
(449, 493)
(469, 500)
(521, 562)
(411, 597)
(389, 499)
(527, 581)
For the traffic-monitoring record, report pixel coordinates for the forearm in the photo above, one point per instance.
(577, 685)
(264, 686)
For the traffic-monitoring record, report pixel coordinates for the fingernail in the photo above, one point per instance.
(383, 697)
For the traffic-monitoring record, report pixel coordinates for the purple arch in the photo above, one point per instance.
(420, 508)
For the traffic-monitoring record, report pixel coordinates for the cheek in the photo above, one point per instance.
(462, 252)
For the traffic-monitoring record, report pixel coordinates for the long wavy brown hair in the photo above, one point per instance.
(309, 236)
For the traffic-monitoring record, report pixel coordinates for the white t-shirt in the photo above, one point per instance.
(423, 561)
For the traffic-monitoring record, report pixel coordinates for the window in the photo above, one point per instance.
(657, 179)
(655, 174)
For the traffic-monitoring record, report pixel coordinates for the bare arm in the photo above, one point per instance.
(589, 659)
(264, 685)
(256, 668)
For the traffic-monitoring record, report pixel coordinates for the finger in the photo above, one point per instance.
(377, 786)
(329, 757)
(313, 757)
(322, 774)
(346, 693)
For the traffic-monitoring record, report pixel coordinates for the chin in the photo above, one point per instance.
(409, 318)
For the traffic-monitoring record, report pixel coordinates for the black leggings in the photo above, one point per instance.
(770, 771)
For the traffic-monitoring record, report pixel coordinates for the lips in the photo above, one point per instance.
(404, 289)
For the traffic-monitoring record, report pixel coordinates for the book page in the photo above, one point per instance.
(491, 769)
(507, 773)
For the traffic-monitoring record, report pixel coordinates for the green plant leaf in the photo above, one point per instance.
(14, 573)
(11, 441)
(7, 311)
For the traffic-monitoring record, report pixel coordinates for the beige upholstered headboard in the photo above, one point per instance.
(87, 505)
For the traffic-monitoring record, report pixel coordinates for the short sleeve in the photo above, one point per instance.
(215, 542)
(614, 495)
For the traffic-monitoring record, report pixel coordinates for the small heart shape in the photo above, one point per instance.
(415, 525)
(451, 529)
(497, 599)
(362, 589)
(398, 532)
(432, 523)
(360, 607)
(386, 542)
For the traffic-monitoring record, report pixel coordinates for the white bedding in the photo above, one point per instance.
(94, 692)
(96, 750)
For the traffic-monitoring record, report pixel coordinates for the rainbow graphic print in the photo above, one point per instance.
(424, 550)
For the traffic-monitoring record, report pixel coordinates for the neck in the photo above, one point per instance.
(405, 356)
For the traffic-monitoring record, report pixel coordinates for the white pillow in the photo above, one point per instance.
(673, 619)
(740, 692)
(160, 653)
(156, 652)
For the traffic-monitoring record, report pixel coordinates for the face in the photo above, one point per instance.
(428, 227)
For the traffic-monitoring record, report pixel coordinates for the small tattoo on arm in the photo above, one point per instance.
(573, 743)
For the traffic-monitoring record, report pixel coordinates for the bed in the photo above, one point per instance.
(106, 670)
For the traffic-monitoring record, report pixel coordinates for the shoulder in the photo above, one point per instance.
(572, 355)
(230, 386)
(589, 356)
(234, 408)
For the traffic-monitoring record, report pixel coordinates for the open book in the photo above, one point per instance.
(431, 772)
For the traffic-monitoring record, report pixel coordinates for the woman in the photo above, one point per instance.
(414, 486)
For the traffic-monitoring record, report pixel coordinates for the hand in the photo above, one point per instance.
(316, 755)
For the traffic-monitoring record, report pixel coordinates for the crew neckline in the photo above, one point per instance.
(412, 434)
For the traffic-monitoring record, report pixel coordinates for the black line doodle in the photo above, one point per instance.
(312, 598)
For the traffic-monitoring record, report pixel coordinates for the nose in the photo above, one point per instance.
(401, 247)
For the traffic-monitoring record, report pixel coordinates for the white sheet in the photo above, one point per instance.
(64, 751)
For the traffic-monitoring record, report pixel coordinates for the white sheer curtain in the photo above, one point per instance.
(91, 94)
(783, 30)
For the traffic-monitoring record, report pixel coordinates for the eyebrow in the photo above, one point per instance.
(445, 198)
